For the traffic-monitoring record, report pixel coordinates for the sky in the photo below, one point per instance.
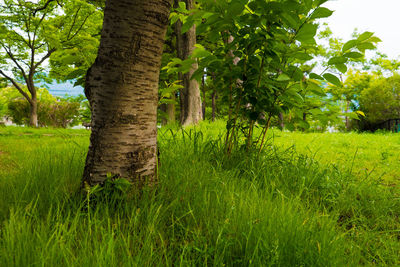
(379, 16)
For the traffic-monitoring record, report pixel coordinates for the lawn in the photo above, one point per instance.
(308, 199)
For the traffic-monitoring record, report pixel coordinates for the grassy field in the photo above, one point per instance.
(307, 200)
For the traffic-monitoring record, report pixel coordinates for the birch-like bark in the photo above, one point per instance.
(122, 89)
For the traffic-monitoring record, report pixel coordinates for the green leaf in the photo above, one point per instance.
(304, 124)
(321, 12)
(360, 113)
(353, 55)
(315, 88)
(187, 25)
(374, 39)
(352, 115)
(320, 2)
(235, 9)
(197, 75)
(308, 3)
(337, 60)
(341, 67)
(283, 77)
(174, 18)
(365, 46)
(316, 76)
(200, 53)
(306, 33)
(291, 19)
(182, 5)
(302, 56)
(349, 45)
(75, 74)
(365, 36)
(332, 79)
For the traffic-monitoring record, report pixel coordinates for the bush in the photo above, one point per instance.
(60, 113)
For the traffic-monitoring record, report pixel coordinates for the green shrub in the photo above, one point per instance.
(60, 113)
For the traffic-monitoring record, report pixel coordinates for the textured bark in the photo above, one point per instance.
(122, 89)
(171, 110)
(190, 99)
(33, 118)
(33, 102)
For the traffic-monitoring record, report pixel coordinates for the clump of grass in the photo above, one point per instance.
(279, 208)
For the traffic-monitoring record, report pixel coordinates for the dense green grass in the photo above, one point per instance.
(286, 207)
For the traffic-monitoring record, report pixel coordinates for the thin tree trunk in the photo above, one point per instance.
(281, 120)
(33, 105)
(346, 117)
(191, 112)
(171, 110)
(33, 116)
(164, 119)
(213, 104)
(122, 89)
(204, 102)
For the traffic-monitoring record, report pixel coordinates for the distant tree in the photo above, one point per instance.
(31, 32)
(190, 99)
(380, 100)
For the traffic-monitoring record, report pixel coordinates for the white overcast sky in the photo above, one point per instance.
(379, 16)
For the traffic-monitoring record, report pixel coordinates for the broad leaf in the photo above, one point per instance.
(332, 79)
(321, 12)
(341, 67)
(337, 60)
(349, 45)
(306, 33)
(353, 55)
(365, 36)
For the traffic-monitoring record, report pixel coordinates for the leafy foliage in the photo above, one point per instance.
(52, 111)
(31, 32)
(260, 59)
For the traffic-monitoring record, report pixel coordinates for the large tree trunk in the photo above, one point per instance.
(122, 89)
(191, 112)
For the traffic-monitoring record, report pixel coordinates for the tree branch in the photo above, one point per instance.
(73, 22)
(27, 23)
(51, 51)
(45, 6)
(80, 28)
(10, 54)
(16, 85)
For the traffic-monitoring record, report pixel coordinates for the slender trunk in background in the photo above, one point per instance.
(347, 118)
(282, 123)
(122, 88)
(171, 109)
(33, 118)
(164, 119)
(33, 102)
(214, 95)
(203, 106)
(190, 99)
(305, 120)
